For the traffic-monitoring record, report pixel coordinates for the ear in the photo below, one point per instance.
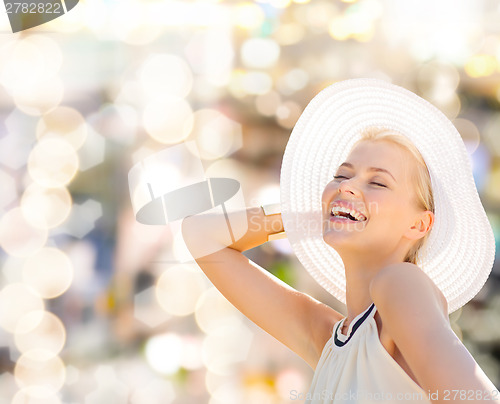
(421, 226)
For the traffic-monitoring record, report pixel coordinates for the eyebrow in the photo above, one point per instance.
(378, 169)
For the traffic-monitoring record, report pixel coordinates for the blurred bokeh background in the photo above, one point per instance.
(97, 308)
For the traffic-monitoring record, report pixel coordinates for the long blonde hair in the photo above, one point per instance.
(425, 199)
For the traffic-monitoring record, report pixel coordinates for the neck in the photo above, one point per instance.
(357, 292)
(359, 274)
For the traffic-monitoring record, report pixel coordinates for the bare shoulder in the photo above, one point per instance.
(412, 311)
(414, 316)
(408, 286)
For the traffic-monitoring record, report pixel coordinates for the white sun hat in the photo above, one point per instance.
(460, 249)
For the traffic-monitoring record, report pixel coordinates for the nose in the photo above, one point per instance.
(347, 187)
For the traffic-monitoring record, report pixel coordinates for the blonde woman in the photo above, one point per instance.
(379, 205)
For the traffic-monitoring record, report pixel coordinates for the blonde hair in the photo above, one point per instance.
(425, 198)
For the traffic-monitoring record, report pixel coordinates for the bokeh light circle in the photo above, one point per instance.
(64, 122)
(132, 24)
(36, 395)
(288, 113)
(17, 300)
(40, 330)
(223, 348)
(46, 208)
(260, 52)
(213, 310)
(31, 60)
(40, 368)
(248, 15)
(168, 119)
(256, 82)
(53, 162)
(51, 51)
(179, 288)
(289, 33)
(49, 272)
(40, 97)
(166, 74)
(23, 62)
(18, 237)
(469, 132)
(214, 133)
(164, 353)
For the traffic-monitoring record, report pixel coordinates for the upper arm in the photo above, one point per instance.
(292, 317)
(414, 315)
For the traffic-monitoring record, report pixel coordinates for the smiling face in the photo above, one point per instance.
(374, 201)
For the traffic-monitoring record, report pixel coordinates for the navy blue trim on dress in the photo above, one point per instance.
(354, 328)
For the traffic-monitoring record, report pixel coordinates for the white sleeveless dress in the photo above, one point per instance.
(356, 368)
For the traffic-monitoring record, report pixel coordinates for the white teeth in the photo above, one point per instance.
(337, 209)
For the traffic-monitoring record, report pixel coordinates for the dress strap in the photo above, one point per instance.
(337, 337)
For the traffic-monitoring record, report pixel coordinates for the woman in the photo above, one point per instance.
(403, 241)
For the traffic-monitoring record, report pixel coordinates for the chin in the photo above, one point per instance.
(351, 241)
(337, 239)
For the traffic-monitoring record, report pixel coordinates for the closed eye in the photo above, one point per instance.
(336, 177)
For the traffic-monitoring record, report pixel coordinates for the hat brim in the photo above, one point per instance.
(458, 255)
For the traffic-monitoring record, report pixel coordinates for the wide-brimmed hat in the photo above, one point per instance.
(460, 249)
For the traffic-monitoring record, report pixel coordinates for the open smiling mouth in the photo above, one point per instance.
(346, 214)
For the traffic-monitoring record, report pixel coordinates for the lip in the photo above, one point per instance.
(348, 205)
(341, 219)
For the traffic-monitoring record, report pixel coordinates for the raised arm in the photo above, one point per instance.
(414, 312)
(297, 320)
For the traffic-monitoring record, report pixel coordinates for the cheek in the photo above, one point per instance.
(330, 189)
(386, 209)
(328, 193)
(379, 205)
